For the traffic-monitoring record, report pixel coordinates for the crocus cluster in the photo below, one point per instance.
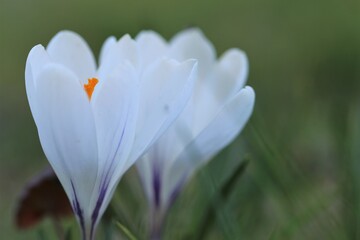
(171, 106)
(217, 111)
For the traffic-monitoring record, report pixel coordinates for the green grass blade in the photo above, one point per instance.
(126, 231)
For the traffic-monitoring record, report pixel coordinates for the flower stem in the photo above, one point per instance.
(88, 232)
(157, 221)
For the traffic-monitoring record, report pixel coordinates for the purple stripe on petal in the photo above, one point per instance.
(105, 180)
(176, 191)
(78, 211)
(156, 186)
(95, 214)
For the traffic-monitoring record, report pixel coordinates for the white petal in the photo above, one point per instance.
(205, 106)
(145, 166)
(115, 105)
(35, 62)
(124, 50)
(229, 75)
(229, 121)
(37, 59)
(166, 88)
(224, 81)
(218, 134)
(158, 160)
(192, 43)
(167, 148)
(107, 47)
(151, 47)
(70, 50)
(67, 131)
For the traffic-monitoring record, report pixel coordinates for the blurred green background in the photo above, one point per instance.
(302, 143)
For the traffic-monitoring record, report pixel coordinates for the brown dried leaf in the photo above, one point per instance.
(42, 196)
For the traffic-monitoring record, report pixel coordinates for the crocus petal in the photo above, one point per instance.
(225, 79)
(145, 168)
(115, 104)
(124, 50)
(228, 76)
(151, 47)
(70, 50)
(166, 87)
(35, 62)
(192, 43)
(235, 67)
(67, 133)
(219, 133)
(159, 159)
(107, 47)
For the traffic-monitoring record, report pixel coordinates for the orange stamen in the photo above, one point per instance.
(90, 86)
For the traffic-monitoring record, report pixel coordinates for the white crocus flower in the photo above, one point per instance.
(218, 111)
(94, 123)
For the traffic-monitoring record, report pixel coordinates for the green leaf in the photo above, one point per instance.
(227, 187)
(41, 234)
(68, 234)
(219, 198)
(125, 231)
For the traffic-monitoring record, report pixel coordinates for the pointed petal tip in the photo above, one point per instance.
(35, 52)
(35, 62)
(126, 37)
(108, 44)
(126, 41)
(191, 62)
(247, 98)
(249, 91)
(38, 47)
(109, 41)
(248, 95)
